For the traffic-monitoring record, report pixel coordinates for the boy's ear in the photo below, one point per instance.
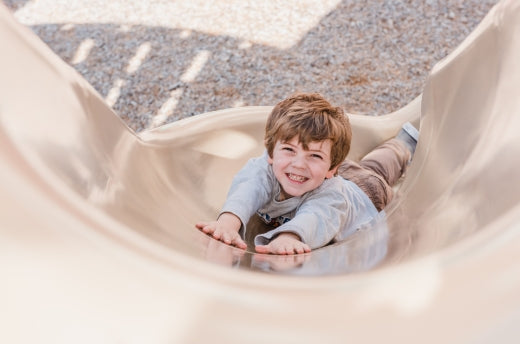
(269, 160)
(331, 173)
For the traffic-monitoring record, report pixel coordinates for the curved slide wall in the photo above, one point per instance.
(97, 242)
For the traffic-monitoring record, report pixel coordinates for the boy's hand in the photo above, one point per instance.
(285, 243)
(224, 229)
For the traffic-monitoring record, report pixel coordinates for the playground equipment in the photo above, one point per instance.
(97, 237)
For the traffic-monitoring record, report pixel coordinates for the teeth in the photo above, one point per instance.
(296, 178)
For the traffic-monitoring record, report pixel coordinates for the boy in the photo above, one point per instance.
(294, 185)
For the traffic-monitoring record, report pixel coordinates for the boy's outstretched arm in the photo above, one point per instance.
(224, 229)
(285, 243)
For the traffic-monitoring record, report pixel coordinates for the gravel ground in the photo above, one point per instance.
(158, 61)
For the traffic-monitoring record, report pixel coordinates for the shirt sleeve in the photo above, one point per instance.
(250, 189)
(317, 221)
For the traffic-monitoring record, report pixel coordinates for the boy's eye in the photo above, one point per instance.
(289, 149)
(317, 156)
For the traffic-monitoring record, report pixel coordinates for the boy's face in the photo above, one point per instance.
(298, 170)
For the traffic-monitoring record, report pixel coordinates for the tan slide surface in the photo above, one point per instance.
(97, 236)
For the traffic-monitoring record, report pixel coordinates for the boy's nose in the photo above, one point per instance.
(298, 161)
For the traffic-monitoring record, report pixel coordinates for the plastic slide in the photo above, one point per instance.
(97, 236)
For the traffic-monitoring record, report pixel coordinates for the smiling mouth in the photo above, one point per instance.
(296, 178)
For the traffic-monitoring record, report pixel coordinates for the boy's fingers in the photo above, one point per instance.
(278, 249)
(242, 246)
(235, 240)
(262, 249)
(240, 243)
(208, 229)
(221, 237)
(205, 227)
(290, 249)
(229, 239)
(202, 226)
(225, 237)
(283, 250)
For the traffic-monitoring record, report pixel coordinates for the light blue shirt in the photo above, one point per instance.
(329, 213)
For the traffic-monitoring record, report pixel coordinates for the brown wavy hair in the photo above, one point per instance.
(311, 118)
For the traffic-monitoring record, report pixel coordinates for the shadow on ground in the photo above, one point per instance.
(367, 64)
